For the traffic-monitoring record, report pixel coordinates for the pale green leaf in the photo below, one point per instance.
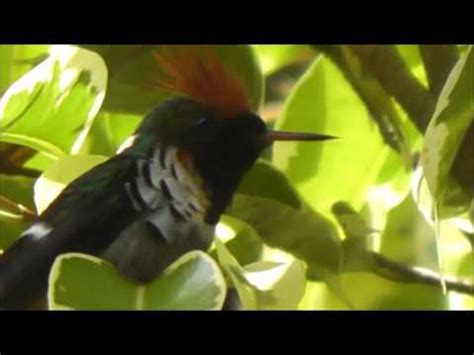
(11, 227)
(52, 107)
(453, 115)
(264, 285)
(17, 59)
(301, 232)
(280, 285)
(240, 238)
(343, 169)
(109, 132)
(83, 282)
(265, 180)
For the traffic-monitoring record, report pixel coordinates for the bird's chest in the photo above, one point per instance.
(171, 205)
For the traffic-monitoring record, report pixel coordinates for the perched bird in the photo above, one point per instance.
(162, 195)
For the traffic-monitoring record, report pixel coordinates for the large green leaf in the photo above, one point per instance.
(50, 184)
(453, 115)
(371, 292)
(407, 237)
(16, 60)
(301, 232)
(264, 180)
(52, 107)
(132, 68)
(264, 285)
(240, 238)
(344, 169)
(11, 227)
(466, 269)
(83, 282)
(279, 285)
(109, 132)
(455, 201)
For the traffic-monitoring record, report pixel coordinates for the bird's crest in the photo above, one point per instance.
(197, 72)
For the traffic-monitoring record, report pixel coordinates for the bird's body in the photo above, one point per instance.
(172, 209)
(140, 210)
(157, 199)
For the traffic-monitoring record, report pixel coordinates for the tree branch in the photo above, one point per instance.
(398, 272)
(371, 92)
(357, 257)
(387, 65)
(438, 61)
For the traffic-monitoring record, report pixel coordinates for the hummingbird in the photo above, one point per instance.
(162, 195)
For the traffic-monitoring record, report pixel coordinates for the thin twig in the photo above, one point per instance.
(16, 208)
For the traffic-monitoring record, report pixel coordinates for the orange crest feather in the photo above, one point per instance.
(199, 74)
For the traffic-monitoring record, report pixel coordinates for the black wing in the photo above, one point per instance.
(87, 216)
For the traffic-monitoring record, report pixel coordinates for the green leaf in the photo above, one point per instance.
(343, 169)
(352, 223)
(11, 227)
(452, 118)
(109, 132)
(240, 238)
(83, 282)
(356, 244)
(233, 269)
(132, 68)
(455, 200)
(16, 60)
(52, 107)
(50, 184)
(6, 63)
(300, 232)
(265, 285)
(264, 180)
(279, 285)
(466, 269)
(407, 237)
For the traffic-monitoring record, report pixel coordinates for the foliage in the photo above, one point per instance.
(333, 225)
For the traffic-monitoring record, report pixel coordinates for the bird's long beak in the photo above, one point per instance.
(273, 136)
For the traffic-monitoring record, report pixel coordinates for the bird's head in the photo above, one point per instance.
(209, 116)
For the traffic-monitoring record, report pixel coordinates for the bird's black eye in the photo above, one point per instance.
(203, 123)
